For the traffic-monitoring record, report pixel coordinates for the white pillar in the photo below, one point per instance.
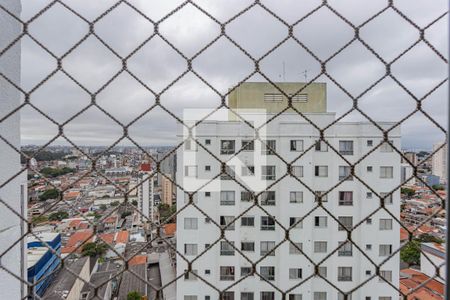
(10, 224)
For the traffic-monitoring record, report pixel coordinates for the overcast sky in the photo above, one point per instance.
(223, 65)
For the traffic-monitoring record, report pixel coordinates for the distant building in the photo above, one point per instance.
(411, 156)
(41, 261)
(407, 172)
(439, 162)
(420, 286)
(436, 253)
(167, 190)
(431, 179)
(145, 193)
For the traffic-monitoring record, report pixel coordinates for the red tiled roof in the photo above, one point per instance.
(111, 219)
(74, 223)
(107, 237)
(122, 237)
(404, 235)
(79, 237)
(169, 229)
(432, 290)
(138, 260)
(83, 225)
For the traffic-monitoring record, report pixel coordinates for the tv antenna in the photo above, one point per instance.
(305, 73)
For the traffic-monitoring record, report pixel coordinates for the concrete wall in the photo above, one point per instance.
(250, 95)
(85, 274)
(10, 224)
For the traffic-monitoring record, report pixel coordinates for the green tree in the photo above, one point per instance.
(49, 194)
(115, 203)
(94, 249)
(103, 207)
(39, 219)
(125, 214)
(438, 187)
(55, 172)
(408, 192)
(58, 216)
(134, 296)
(410, 253)
(134, 202)
(428, 238)
(166, 211)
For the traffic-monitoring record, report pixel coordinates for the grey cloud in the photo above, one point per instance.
(223, 65)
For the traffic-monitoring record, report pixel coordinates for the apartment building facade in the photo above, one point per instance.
(287, 170)
(439, 161)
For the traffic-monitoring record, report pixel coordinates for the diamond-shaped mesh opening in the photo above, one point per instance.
(223, 150)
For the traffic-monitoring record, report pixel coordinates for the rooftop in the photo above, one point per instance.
(411, 279)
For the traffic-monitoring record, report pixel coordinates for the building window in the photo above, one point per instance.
(247, 296)
(295, 221)
(346, 147)
(226, 273)
(266, 248)
(368, 272)
(247, 221)
(248, 246)
(227, 198)
(386, 147)
(190, 297)
(207, 194)
(294, 248)
(296, 197)
(320, 247)
(273, 97)
(369, 195)
(248, 145)
(229, 173)
(299, 97)
(296, 145)
(321, 146)
(387, 275)
(385, 250)
(267, 223)
(190, 171)
(344, 173)
(369, 169)
(190, 223)
(227, 221)
(369, 143)
(190, 275)
(323, 271)
(227, 146)
(268, 173)
(321, 171)
(268, 198)
(267, 295)
(248, 171)
(385, 224)
(208, 142)
(226, 248)
(345, 249)
(320, 222)
(384, 298)
(345, 198)
(344, 273)
(269, 147)
(369, 221)
(295, 297)
(387, 199)
(246, 196)
(190, 145)
(347, 223)
(297, 171)
(228, 296)
(190, 249)
(244, 272)
(386, 172)
(295, 273)
(342, 296)
(267, 273)
(207, 168)
(321, 194)
(320, 295)
(207, 298)
(368, 246)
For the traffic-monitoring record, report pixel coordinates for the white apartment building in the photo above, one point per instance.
(439, 162)
(145, 194)
(286, 200)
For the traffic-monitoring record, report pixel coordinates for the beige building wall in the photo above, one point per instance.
(262, 95)
(439, 162)
(85, 274)
(167, 190)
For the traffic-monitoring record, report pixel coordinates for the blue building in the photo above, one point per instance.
(41, 261)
